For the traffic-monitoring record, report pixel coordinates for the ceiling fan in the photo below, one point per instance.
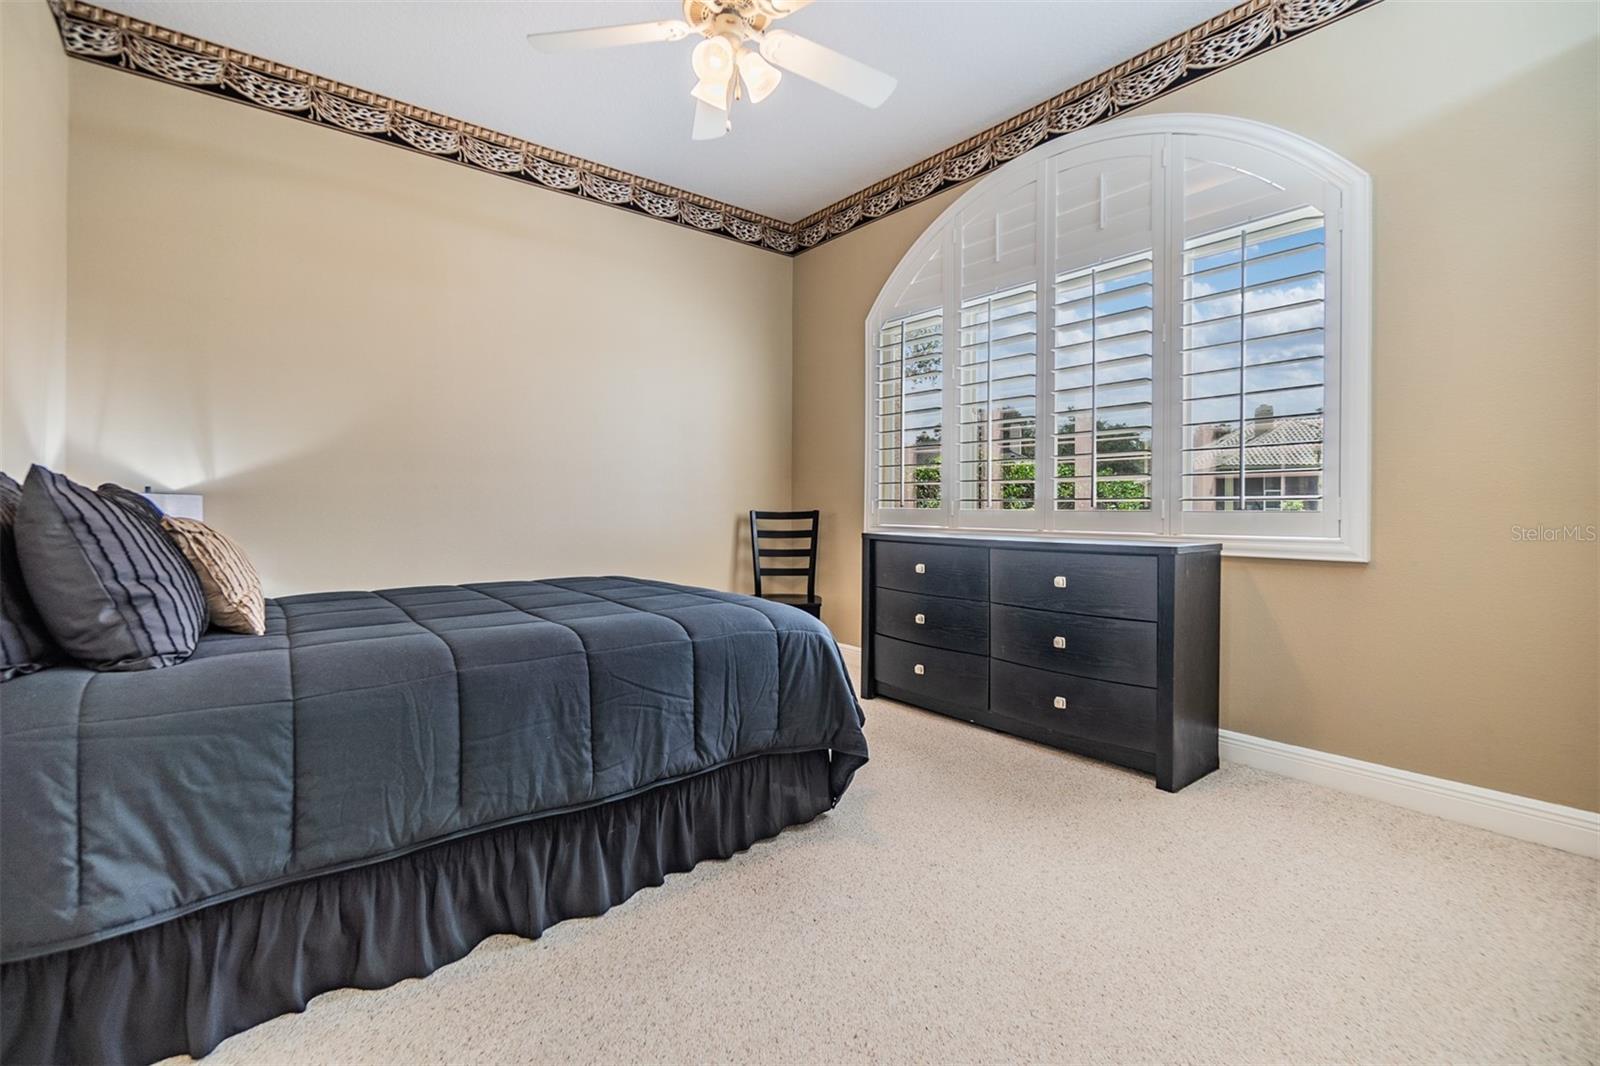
(740, 55)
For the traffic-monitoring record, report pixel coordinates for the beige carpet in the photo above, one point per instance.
(976, 897)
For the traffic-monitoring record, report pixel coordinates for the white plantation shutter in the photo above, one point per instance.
(1258, 343)
(1225, 183)
(909, 411)
(1107, 220)
(907, 388)
(1151, 330)
(1103, 354)
(998, 336)
(1105, 200)
(999, 239)
(997, 406)
(1254, 377)
(925, 288)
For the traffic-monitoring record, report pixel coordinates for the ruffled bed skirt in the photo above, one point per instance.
(186, 985)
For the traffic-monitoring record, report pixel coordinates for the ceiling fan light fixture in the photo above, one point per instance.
(739, 55)
(760, 77)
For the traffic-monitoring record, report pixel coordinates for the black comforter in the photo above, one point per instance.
(368, 724)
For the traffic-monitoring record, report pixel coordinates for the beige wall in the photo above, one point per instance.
(33, 238)
(381, 369)
(1457, 651)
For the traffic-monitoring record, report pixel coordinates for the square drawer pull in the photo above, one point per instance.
(918, 670)
(922, 568)
(1060, 581)
(1058, 642)
(1060, 703)
(921, 619)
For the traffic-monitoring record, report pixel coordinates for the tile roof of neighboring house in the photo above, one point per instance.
(1288, 443)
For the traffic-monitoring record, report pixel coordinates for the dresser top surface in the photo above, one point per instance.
(1045, 542)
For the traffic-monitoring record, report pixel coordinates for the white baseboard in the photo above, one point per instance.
(1567, 828)
(1551, 824)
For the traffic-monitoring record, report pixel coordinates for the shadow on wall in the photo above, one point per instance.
(184, 456)
(741, 564)
(270, 505)
(318, 516)
(29, 436)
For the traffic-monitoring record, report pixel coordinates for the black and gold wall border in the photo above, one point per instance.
(99, 35)
(1248, 29)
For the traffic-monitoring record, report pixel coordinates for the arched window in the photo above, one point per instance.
(1154, 327)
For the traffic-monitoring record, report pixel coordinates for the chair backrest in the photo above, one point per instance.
(780, 544)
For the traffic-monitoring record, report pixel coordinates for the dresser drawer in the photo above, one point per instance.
(1110, 649)
(961, 625)
(932, 677)
(1116, 586)
(935, 569)
(1123, 715)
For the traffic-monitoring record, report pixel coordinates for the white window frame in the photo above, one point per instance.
(1345, 532)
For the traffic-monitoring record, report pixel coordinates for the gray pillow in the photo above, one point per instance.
(115, 593)
(25, 644)
(134, 501)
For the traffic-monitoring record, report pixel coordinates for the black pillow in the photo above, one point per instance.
(113, 590)
(25, 644)
(134, 501)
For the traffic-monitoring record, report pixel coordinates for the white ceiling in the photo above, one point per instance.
(962, 64)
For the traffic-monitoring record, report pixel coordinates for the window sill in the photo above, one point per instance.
(1305, 549)
(1322, 551)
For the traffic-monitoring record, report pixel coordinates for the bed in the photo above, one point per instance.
(376, 785)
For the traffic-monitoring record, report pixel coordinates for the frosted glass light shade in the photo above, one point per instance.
(760, 77)
(713, 59)
(714, 93)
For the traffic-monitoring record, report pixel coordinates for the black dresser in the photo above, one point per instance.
(1108, 648)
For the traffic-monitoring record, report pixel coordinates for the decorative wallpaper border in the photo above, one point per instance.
(99, 35)
(1248, 29)
(96, 34)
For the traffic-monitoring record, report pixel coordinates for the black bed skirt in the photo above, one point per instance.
(186, 985)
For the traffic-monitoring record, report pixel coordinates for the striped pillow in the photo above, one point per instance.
(25, 644)
(133, 501)
(231, 584)
(114, 592)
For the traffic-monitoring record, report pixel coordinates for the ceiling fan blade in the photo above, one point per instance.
(829, 69)
(610, 36)
(709, 122)
(785, 8)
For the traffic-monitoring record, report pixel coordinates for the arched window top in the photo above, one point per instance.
(1158, 327)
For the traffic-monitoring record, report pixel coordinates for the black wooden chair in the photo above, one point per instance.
(760, 552)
